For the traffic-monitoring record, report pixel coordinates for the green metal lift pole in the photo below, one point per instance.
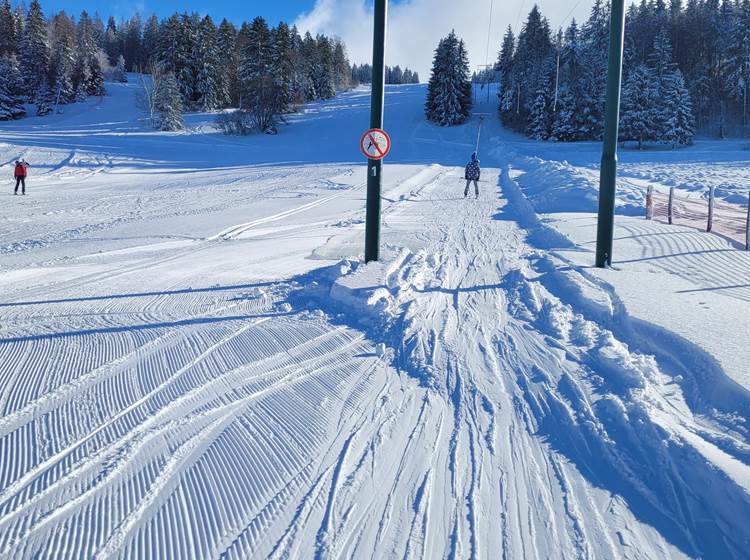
(375, 167)
(608, 179)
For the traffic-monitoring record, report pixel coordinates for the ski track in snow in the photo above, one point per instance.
(515, 412)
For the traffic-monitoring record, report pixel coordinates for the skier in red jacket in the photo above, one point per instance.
(20, 174)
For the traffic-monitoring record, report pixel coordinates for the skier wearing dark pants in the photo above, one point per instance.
(20, 173)
(473, 173)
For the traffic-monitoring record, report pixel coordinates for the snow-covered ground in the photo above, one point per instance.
(195, 363)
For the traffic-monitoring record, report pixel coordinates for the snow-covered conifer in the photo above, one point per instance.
(209, 96)
(8, 31)
(449, 89)
(639, 106)
(119, 74)
(34, 51)
(228, 74)
(95, 84)
(112, 44)
(44, 99)
(168, 103)
(11, 102)
(677, 121)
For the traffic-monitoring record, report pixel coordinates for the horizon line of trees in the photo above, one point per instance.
(362, 74)
(264, 72)
(553, 86)
(686, 69)
(46, 62)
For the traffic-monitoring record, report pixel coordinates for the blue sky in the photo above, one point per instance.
(273, 10)
(415, 26)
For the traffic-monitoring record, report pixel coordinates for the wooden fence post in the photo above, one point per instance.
(650, 203)
(670, 207)
(711, 199)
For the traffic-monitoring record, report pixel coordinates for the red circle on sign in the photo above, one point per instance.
(375, 144)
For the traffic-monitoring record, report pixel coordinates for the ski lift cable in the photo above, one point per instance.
(570, 13)
(520, 11)
(489, 34)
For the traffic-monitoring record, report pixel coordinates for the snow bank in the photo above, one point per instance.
(557, 186)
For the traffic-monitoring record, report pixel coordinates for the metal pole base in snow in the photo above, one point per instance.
(375, 168)
(670, 207)
(607, 183)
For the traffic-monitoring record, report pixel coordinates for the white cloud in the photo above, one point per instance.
(416, 26)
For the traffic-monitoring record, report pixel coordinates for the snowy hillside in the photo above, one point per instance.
(194, 362)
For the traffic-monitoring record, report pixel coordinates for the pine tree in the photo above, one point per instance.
(131, 41)
(449, 89)
(97, 31)
(438, 65)
(169, 44)
(112, 42)
(505, 70)
(737, 81)
(81, 78)
(639, 106)
(206, 61)
(150, 41)
(302, 89)
(661, 58)
(169, 104)
(398, 75)
(592, 82)
(531, 62)
(228, 63)
(307, 68)
(186, 72)
(282, 68)
(95, 84)
(63, 39)
(11, 101)
(8, 31)
(259, 90)
(44, 99)
(677, 121)
(34, 51)
(540, 125)
(119, 74)
(87, 72)
(322, 73)
(341, 68)
(564, 125)
(571, 118)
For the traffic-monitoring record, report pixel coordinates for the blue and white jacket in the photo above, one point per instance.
(473, 171)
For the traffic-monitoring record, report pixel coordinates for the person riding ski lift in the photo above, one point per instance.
(472, 174)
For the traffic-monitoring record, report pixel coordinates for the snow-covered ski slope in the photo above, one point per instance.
(195, 364)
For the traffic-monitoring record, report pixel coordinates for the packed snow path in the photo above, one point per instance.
(199, 387)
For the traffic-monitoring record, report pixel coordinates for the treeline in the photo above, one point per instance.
(263, 71)
(701, 44)
(553, 86)
(393, 75)
(272, 70)
(49, 63)
(215, 65)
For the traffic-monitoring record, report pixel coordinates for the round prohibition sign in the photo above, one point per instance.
(375, 144)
